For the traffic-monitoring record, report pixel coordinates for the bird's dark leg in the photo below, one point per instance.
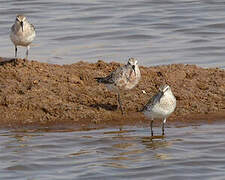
(120, 104)
(163, 124)
(15, 51)
(28, 47)
(151, 127)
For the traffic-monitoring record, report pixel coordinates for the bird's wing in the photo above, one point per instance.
(111, 78)
(13, 27)
(120, 74)
(106, 80)
(154, 100)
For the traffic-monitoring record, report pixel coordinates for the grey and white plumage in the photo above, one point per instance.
(22, 33)
(123, 78)
(160, 106)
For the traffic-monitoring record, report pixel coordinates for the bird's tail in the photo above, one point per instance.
(99, 79)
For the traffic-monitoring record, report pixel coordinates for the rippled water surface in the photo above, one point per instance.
(195, 152)
(155, 32)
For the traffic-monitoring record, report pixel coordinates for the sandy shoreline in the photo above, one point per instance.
(35, 94)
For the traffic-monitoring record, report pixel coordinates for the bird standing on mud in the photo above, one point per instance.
(160, 106)
(22, 33)
(123, 78)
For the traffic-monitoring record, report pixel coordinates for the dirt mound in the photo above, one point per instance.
(41, 94)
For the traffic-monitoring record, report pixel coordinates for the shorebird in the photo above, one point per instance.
(160, 106)
(22, 33)
(123, 78)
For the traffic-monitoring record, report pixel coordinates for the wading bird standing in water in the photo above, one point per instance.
(123, 78)
(22, 33)
(160, 106)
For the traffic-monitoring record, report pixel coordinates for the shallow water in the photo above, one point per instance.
(194, 152)
(155, 32)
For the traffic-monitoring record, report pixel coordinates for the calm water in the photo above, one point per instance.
(195, 152)
(155, 32)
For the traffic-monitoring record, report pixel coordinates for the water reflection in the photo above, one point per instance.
(155, 143)
(80, 152)
(116, 165)
(162, 156)
(137, 146)
(105, 153)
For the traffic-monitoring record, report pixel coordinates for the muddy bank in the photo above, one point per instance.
(41, 94)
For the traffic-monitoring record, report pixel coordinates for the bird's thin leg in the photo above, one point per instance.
(15, 51)
(163, 124)
(151, 127)
(28, 47)
(120, 104)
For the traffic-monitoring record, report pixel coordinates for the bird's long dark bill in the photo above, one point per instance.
(133, 67)
(21, 23)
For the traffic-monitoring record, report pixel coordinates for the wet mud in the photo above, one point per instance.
(34, 94)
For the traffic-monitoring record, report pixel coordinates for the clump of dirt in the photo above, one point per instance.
(41, 94)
